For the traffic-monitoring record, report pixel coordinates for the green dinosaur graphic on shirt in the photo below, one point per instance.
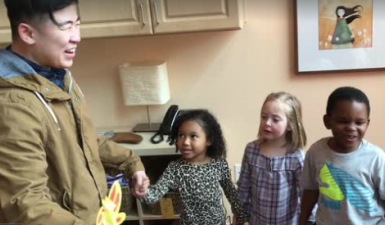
(332, 190)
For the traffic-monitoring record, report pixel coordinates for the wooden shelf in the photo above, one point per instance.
(149, 153)
(158, 217)
(133, 214)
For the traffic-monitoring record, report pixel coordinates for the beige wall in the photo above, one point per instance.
(228, 72)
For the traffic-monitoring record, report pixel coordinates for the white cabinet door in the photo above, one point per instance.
(5, 30)
(112, 18)
(171, 16)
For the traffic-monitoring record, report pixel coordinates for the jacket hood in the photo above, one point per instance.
(15, 72)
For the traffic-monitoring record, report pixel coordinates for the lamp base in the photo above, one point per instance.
(146, 127)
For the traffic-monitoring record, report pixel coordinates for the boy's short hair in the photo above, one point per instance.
(32, 11)
(346, 93)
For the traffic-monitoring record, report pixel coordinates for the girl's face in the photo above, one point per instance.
(192, 142)
(340, 12)
(273, 124)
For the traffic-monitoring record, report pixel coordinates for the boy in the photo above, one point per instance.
(345, 173)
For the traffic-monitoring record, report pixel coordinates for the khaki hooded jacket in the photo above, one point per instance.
(52, 162)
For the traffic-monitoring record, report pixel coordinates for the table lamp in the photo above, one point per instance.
(145, 84)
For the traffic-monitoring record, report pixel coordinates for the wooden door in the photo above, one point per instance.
(112, 18)
(170, 16)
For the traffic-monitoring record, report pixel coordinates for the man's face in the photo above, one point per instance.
(54, 45)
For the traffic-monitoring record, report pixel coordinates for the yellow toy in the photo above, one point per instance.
(109, 211)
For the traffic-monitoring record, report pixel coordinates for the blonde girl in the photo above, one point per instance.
(272, 164)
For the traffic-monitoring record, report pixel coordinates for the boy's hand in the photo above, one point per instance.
(140, 183)
(309, 199)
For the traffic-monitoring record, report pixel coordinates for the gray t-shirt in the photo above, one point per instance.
(351, 185)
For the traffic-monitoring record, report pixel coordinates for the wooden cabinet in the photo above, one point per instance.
(171, 16)
(101, 18)
(5, 31)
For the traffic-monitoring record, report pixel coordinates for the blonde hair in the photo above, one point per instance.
(296, 137)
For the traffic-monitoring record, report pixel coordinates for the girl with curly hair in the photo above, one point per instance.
(199, 174)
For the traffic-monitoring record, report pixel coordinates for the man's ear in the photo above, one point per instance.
(26, 33)
(327, 121)
(368, 121)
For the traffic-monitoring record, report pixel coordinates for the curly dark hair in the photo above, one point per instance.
(211, 127)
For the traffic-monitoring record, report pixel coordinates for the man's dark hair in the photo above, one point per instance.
(211, 127)
(30, 11)
(346, 93)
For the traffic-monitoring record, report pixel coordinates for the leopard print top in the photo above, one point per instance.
(199, 190)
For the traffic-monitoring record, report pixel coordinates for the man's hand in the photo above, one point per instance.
(140, 183)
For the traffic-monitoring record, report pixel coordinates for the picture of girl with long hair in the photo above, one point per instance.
(342, 33)
(344, 25)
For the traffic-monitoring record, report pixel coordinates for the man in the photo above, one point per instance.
(52, 163)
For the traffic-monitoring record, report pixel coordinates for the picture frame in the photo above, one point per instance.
(315, 49)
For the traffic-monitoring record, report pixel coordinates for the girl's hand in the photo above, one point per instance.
(235, 221)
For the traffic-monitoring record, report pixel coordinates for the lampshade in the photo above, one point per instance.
(145, 83)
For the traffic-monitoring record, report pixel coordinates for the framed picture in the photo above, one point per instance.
(342, 35)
